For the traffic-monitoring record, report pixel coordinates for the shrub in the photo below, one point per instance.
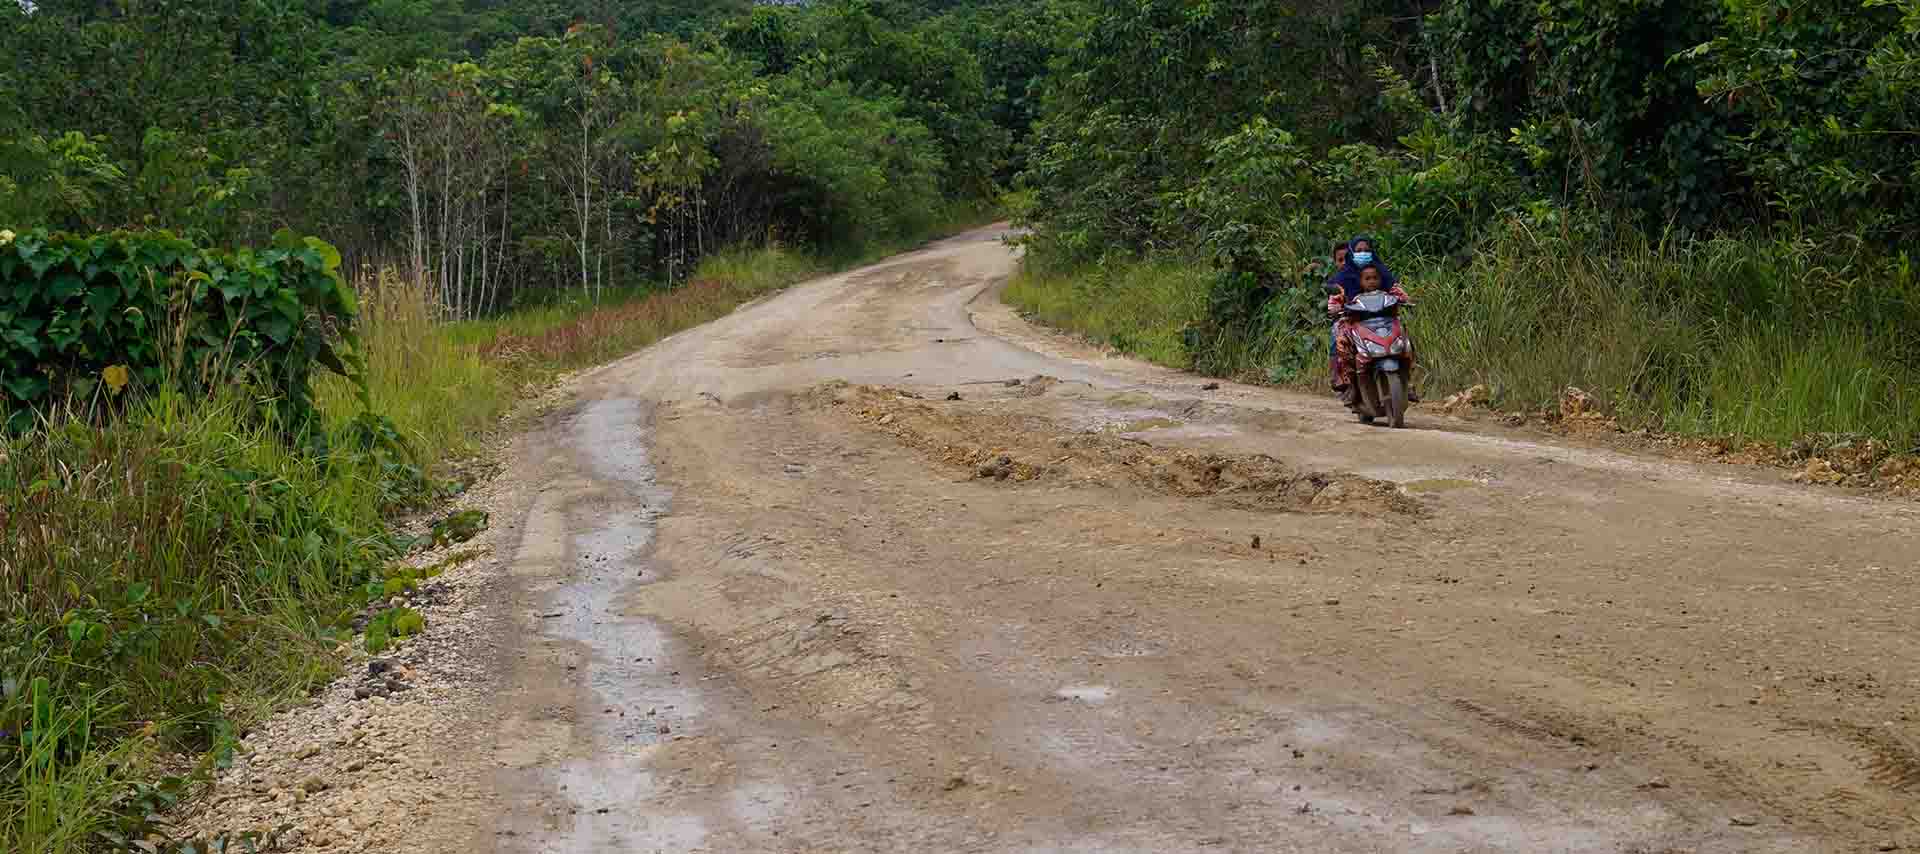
(152, 309)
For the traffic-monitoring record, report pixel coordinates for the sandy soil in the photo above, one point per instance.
(873, 565)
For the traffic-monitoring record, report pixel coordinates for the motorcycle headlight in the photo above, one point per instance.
(1372, 349)
(1399, 346)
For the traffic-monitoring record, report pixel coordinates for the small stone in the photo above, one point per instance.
(1743, 821)
(314, 784)
(1210, 387)
(1331, 602)
(1255, 545)
(886, 419)
(1460, 809)
(362, 692)
(1888, 845)
(378, 666)
(953, 395)
(1655, 783)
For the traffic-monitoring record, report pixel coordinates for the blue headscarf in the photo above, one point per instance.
(1349, 276)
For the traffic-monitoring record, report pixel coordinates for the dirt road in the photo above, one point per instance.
(874, 566)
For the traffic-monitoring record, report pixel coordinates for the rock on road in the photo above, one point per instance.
(872, 565)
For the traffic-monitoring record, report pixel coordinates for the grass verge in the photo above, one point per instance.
(1728, 338)
(1139, 309)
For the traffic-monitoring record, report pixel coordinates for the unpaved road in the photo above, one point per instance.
(752, 609)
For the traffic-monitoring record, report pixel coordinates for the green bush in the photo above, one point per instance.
(78, 312)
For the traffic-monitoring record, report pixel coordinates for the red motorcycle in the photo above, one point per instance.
(1382, 357)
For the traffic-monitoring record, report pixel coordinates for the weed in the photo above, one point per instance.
(459, 527)
(393, 624)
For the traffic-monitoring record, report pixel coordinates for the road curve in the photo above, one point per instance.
(821, 576)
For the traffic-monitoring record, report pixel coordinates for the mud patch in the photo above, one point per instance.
(997, 440)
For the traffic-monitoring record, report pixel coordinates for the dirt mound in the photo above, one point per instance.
(994, 440)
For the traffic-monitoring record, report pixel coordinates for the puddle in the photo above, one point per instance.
(1084, 693)
(1144, 425)
(1131, 398)
(1439, 484)
(1118, 420)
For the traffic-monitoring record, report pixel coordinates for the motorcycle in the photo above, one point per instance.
(1382, 353)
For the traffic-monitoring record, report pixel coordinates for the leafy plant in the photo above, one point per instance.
(155, 309)
(391, 625)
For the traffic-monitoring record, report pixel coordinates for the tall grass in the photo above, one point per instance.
(1139, 309)
(573, 335)
(437, 388)
(1730, 337)
(150, 570)
(168, 577)
(1734, 337)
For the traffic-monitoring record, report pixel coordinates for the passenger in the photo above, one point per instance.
(1361, 253)
(1372, 277)
(1332, 285)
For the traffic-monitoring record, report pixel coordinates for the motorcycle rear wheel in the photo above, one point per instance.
(1368, 406)
(1396, 399)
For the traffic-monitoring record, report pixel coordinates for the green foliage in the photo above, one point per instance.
(459, 527)
(81, 317)
(1145, 90)
(927, 69)
(1829, 94)
(848, 188)
(61, 180)
(509, 151)
(1587, 86)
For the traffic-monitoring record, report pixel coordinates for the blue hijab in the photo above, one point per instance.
(1349, 276)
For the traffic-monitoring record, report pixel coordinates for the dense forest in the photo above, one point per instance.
(505, 149)
(512, 147)
(1696, 210)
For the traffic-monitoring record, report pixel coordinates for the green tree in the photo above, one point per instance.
(1829, 94)
(1597, 111)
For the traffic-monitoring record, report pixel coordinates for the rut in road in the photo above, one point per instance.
(877, 597)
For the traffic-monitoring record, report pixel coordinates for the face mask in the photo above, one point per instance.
(1363, 258)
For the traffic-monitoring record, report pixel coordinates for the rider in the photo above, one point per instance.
(1372, 277)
